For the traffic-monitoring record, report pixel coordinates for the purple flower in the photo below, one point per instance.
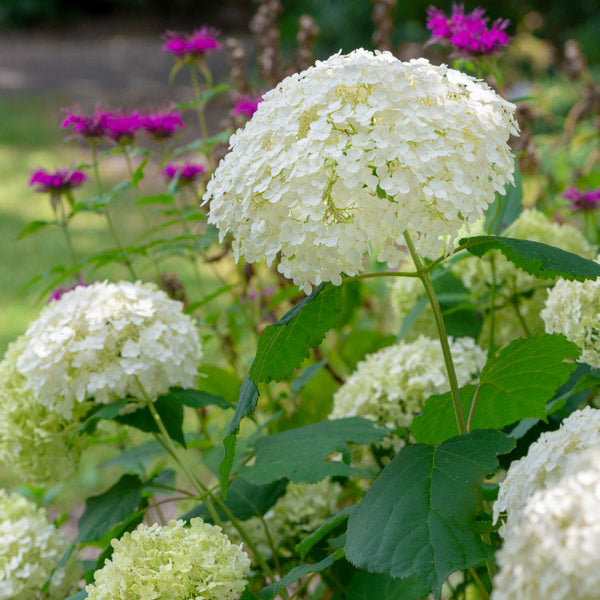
(88, 126)
(186, 173)
(122, 125)
(468, 34)
(162, 123)
(246, 105)
(59, 181)
(199, 43)
(582, 201)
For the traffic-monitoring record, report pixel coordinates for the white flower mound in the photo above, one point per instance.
(573, 309)
(552, 549)
(546, 461)
(100, 340)
(351, 153)
(391, 385)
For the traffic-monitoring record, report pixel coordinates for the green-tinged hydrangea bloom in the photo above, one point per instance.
(573, 309)
(303, 508)
(172, 563)
(516, 289)
(40, 445)
(391, 385)
(30, 547)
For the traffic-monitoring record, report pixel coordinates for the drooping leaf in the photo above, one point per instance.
(137, 458)
(515, 384)
(302, 454)
(318, 534)
(377, 586)
(541, 260)
(505, 209)
(244, 500)
(106, 510)
(417, 518)
(296, 573)
(195, 398)
(80, 595)
(32, 227)
(283, 346)
(306, 375)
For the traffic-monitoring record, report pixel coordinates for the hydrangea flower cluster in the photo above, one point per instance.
(40, 444)
(573, 309)
(197, 44)
(552, 499)
(352, 153)
(58, 181)
(546, 460)
(105, 341)
(515, 284)
(467, 34)
(174, 562)
(582, 200)
(30, 547)
(391, 385)
(186, 173)
(303, 508)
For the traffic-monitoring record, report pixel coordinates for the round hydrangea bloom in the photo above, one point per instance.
(514, 287)
(573, 309)
(551, 550)
(546, 460)
(103, 341)
(173, 562)
(30, 547)
(303, 508)
(40, 445)
(351, 153)
(391, 385)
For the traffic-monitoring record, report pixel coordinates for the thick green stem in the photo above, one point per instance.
(423, 274)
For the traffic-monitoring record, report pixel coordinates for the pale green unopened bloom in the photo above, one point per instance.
(30, 547)
(172, 563)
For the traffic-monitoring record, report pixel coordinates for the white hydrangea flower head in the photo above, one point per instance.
(352, 152)
(41, 446)
(476, 274)
(547, 461)
(174, 562)
(573, 309)
(30, 547)
(391, 385)
(551, 549)
(99, 341)
(303, 508)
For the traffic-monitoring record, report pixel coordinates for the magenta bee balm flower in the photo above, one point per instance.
(468, 34)
(582, 201)
(246, 105)
(162, 123)
(186, 173)
(199, 43)
(59, 181)
(88, 126)
(122, 125)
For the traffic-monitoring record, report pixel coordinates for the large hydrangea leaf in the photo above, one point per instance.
(418, 517)
(540, 260)
(516, 384)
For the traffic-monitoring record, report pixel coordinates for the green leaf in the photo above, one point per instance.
(195, 398)
(106, 412)
(138, 174)
(515, 384)
(302, 454)
(306, 375)
(80, 595)
(244, 500)
(296, 573)
(170, 410)
(318, 534)
(505, 209)
(417, 517)
(32, 227)
(105, 511)
(283, 346)
(541, 260)
(137, 458)
(377, 586)
(156, 199)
